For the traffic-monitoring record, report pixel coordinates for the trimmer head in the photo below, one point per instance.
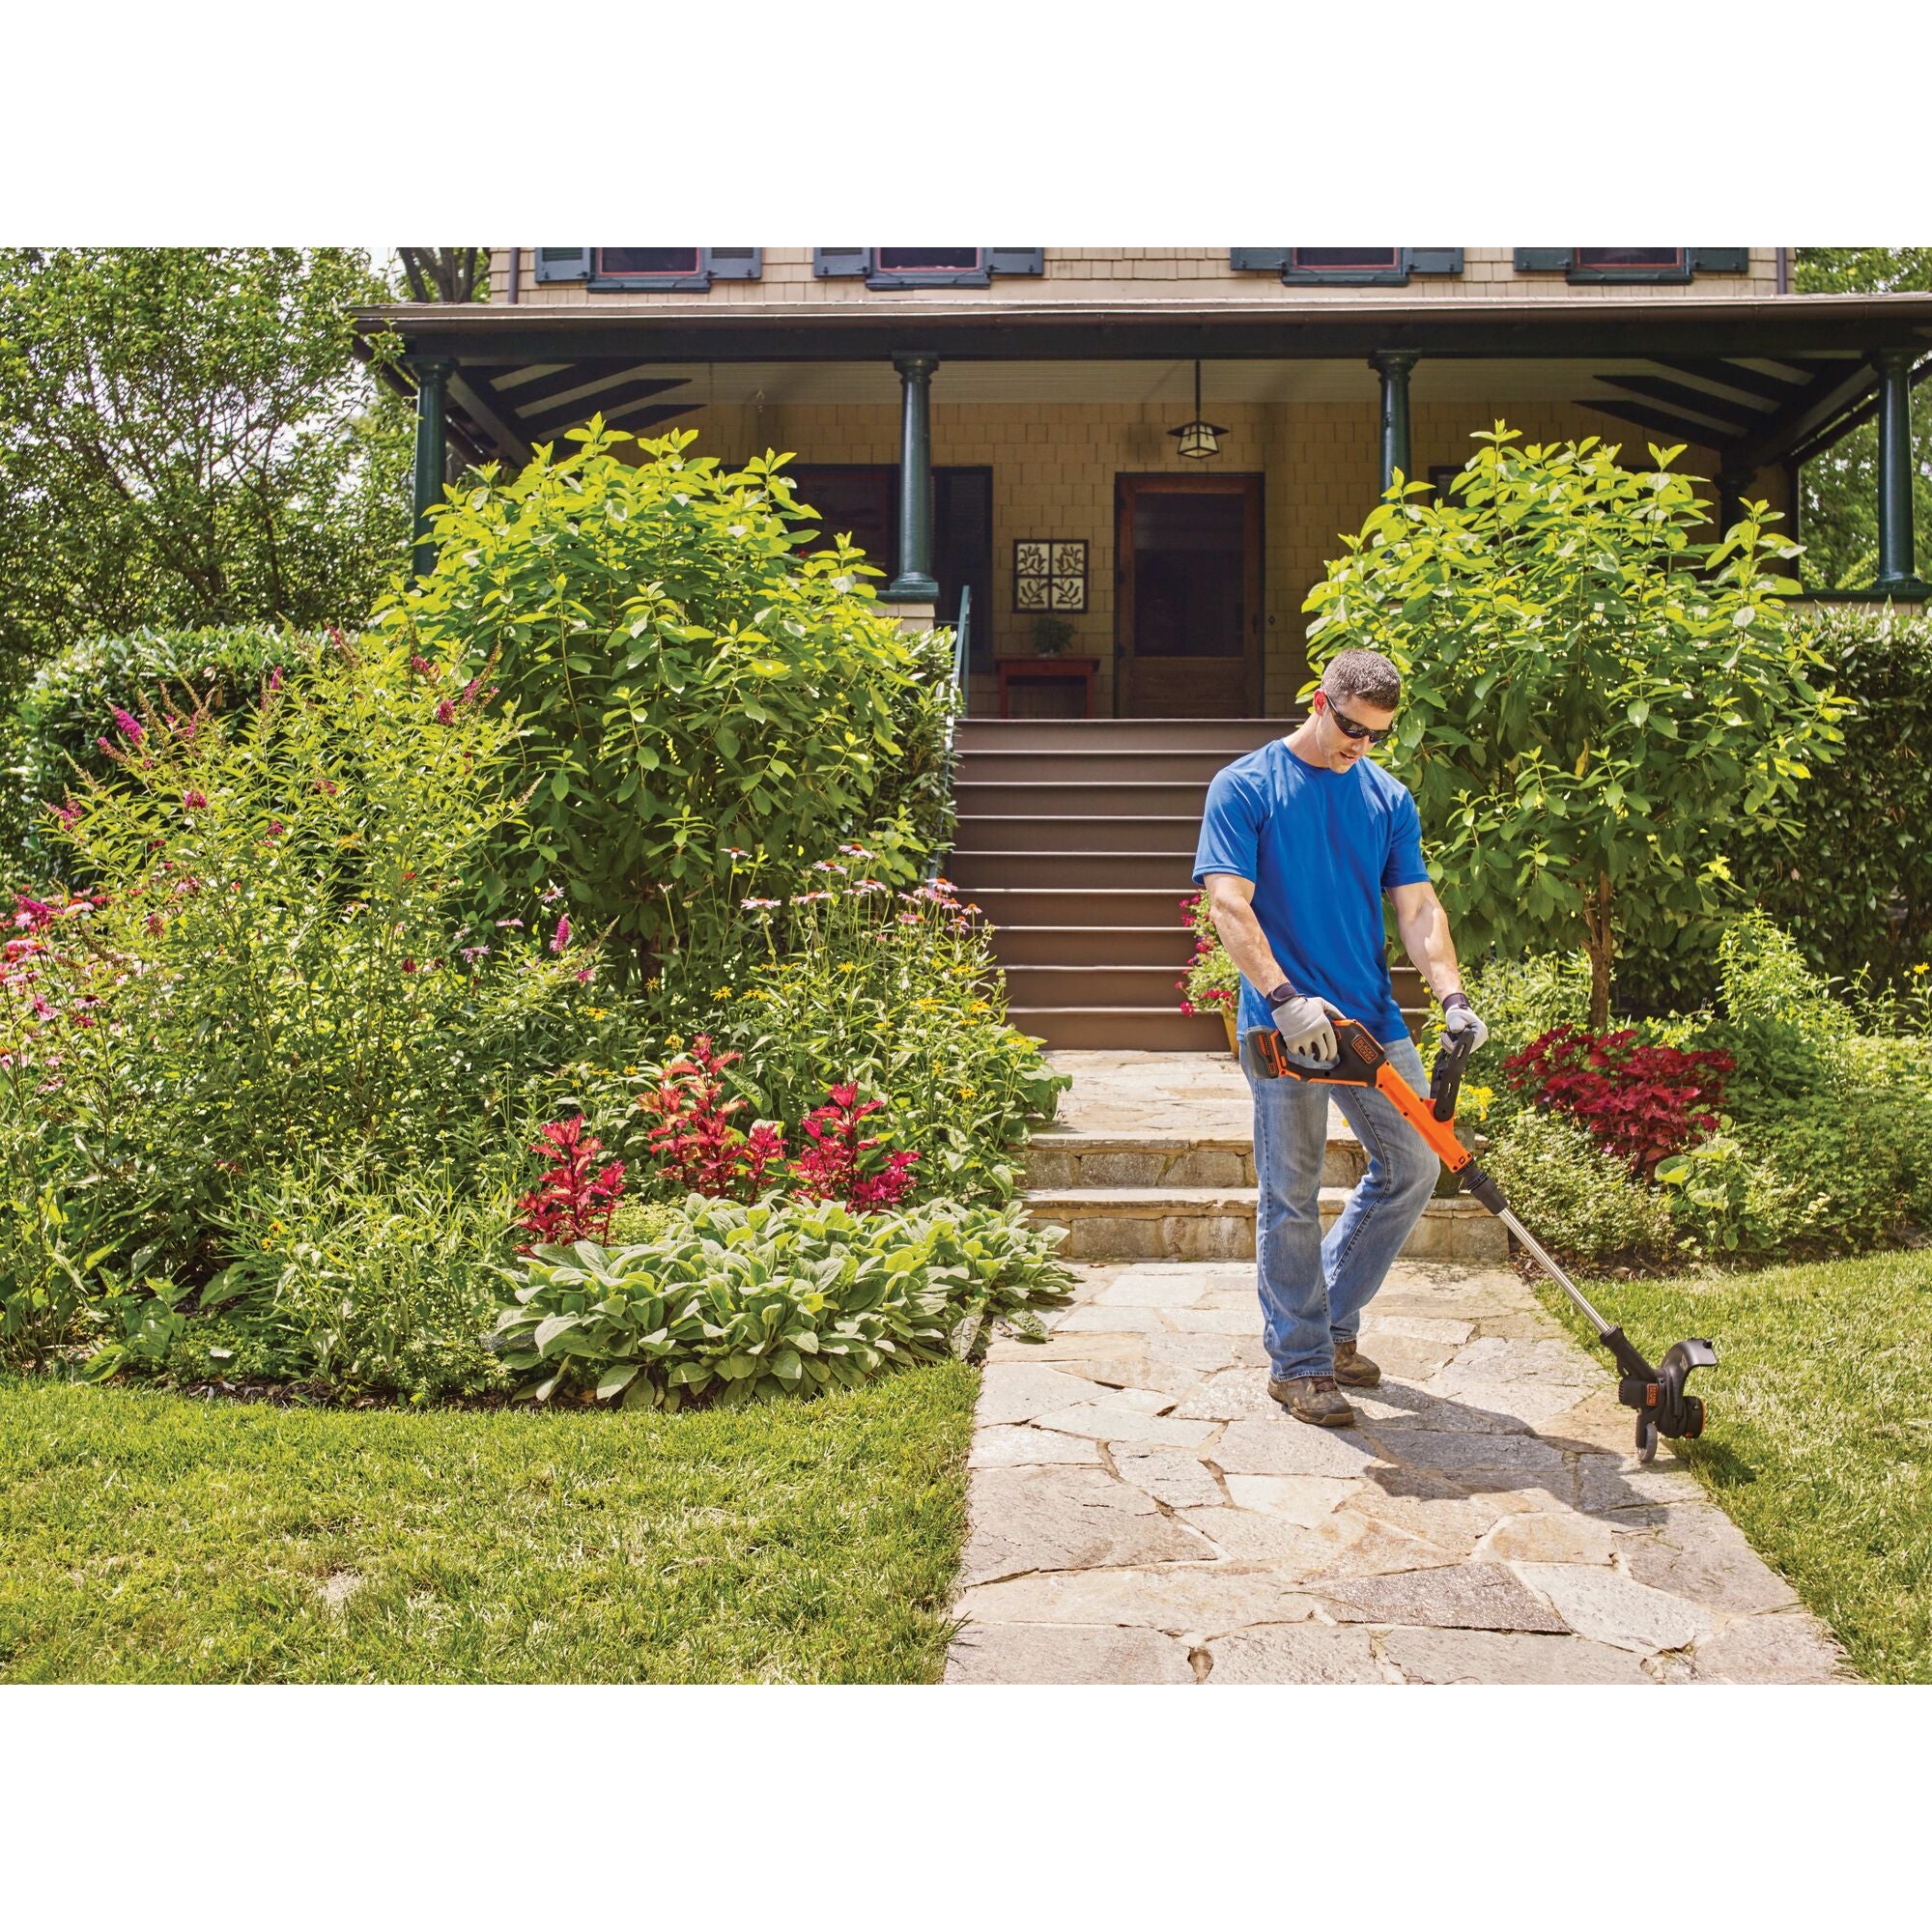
(1658, 1395)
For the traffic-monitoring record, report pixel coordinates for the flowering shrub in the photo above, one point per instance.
(1212, 984)
(269, 965)
(734, 1303)
(1638, 1102)
(574, 1198)
(685, 680)
(898, 993)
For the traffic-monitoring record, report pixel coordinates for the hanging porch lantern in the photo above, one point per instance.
(1198, 439)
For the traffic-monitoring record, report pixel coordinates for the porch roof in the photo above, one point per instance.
(1759, 379)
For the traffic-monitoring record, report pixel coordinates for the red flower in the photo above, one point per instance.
(571, 1202)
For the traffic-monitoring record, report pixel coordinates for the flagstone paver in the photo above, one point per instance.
(1141, 1512)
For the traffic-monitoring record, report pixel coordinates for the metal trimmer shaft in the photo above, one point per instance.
(1555, 1273)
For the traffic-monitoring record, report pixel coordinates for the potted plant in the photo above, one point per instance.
(1051, 636)
(1213, 984)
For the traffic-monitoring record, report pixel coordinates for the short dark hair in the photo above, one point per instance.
(1364, 675)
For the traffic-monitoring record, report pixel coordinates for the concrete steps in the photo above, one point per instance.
(1156, 1161)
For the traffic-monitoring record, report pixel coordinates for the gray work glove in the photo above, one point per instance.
(1307, 1029)
(1459, 1016)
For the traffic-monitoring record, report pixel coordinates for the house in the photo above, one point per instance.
(1153, 449)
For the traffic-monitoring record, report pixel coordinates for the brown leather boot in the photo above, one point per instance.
(1353, 1369)
(1313, 1399)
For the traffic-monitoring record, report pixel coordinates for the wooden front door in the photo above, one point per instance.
(1187, 603)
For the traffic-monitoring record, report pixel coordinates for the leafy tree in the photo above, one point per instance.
(1838, 514)
(1595, 706)
(703, 712)
(445, 275)
(186, 438)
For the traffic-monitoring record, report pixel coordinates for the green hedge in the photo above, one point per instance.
(1853, 884)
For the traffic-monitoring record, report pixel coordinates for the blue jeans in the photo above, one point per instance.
(1313, 1291)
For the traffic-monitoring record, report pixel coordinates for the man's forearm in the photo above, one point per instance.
(1425, 938)
(1247, 944)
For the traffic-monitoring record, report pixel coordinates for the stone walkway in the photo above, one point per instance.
(1142, 1514)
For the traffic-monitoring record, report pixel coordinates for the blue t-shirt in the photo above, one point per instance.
(1322, 847)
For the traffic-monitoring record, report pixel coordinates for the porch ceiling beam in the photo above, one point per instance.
(581, 408)
(1725, 412)
(1829, 400)
(474, 396)
(1647, 415)
(579, 376)
(1737, 376)
(1857, 419)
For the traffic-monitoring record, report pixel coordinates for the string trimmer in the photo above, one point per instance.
(1657, 1394)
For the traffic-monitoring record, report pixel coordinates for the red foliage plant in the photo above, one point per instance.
(841, 1165)
(1638, 1102)
(699, 1145)
(701, 1148)
(575, 1200)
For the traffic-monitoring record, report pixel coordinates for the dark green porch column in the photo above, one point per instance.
(1393, 366)
(1895, 572)
(915, 583)
(432, 374)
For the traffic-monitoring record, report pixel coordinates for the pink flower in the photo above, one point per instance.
(583, 975)
(112, 751)
(562, 938)
(32, 914)
(328, 786)
(275, 678)
(68, 814)
(408, 965)
(128, 725)
(194, 801)
(421, 665)
(446, 713)
(509, 922)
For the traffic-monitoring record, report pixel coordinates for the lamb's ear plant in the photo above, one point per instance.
(734, 1303)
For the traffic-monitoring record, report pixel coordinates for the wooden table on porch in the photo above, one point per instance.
(1047, 670)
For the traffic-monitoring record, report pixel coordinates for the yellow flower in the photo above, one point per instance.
(721, 993)
(596, 1013)
(967, 1092)
(852, 966)
(1920, 967)
(629, 1069)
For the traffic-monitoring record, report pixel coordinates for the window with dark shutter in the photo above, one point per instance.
(648, 262)
(1657, 261)
(1361, 260)
(925, 261)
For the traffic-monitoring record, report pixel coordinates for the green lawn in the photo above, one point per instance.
(153, 1538)
(1819, 1442)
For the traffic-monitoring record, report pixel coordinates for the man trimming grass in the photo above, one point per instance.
(145, 1537)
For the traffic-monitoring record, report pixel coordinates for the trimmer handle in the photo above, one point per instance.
(1446, 1079)
(1359, 1054)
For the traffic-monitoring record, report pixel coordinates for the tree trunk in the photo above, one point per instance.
(1601, 949)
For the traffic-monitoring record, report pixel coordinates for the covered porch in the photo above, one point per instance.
(1032, 456)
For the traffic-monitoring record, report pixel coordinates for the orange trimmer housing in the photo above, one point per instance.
(1362, 1061)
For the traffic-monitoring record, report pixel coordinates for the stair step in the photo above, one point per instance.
(1073, 871)
(1218, 1224)
(1030, 832)
(1170, 946)
(1100, 766)
(1073, 798)
(1116, 906)
(1060, 1161)
(1231, 735)
(1108, 983)
(1122, 1029)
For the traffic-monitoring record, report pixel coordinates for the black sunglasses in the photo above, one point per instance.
(1351, 729)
